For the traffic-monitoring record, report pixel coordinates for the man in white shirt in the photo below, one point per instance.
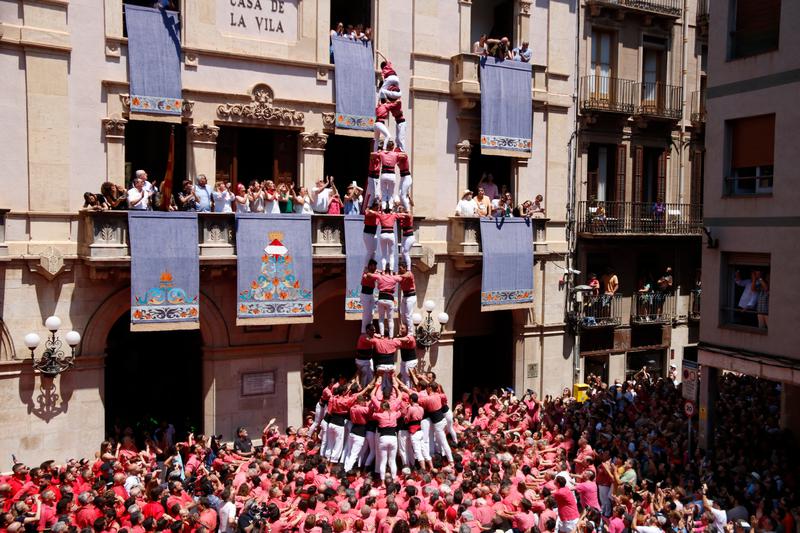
(321, 195)
(138, 198)
(466, 206)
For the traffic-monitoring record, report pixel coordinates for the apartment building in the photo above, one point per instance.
(749, 316)
(258, 101)
(638, 183)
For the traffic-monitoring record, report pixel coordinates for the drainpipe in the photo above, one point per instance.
(572, 195)
(682, 143)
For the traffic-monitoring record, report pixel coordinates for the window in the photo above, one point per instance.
(602, 86)
(354, 15)
(755, 27)
(492, 172)
(242, 152)
(494, 18)
(147, 148)
(347, 160)
(744, 294)
(653, 73)
(653, 360)
(751, 143)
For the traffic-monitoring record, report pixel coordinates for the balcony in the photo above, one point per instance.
(644, 99)
(599, 311)
(464, 236)
(612, 95)
(638, 218)
(665, 8)
(698, 107)
(465, 85)
(3, 245)
(652, 308)
(104, 238)
(694, 304)
(659, 100)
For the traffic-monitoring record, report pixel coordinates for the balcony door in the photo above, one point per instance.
(602, 68)
(653, 74)
(603, 178)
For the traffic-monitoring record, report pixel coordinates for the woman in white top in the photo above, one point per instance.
(242, 199)
(301, 202)
(271, 204)
(257, 198)
(466, 206)
(222, 197)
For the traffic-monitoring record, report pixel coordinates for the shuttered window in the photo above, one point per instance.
(752, 147)
(757, 27)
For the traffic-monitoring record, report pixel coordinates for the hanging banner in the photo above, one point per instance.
(165, 271)
(506, 108)
(274, 268)
(354, 81)
(355, 261)
(507, 281)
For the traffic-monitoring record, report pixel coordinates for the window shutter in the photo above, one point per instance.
(622, 159)
(752, 141)
(661, 180)
(697, 177)
(638, 170)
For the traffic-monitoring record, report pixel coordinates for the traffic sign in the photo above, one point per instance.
(688, 408)
(690, 379)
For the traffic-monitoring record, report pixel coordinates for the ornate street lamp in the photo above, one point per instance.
(53, 361)
(427, 334)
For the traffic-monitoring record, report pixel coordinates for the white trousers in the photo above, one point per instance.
(405, 371)
(386, 311)
(355, 444)
(401, 135)
(380, 130)
(323, 431)
(441, 441)
(425, 429)
(365, 367)
(406, 245)
(390, 81)
(387, 455)
(335, 443)
(319, 414)
(407, 305)
(405, 191)
(371, 245)
(367, 310)
(388, 246)
(417, 445)
(404, 447)
(373, 185)
(448, 418)
(388, 182)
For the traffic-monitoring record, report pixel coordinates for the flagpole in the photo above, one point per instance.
(166, 185)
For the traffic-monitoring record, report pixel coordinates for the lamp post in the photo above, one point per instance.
(427, 334)
(53, 361)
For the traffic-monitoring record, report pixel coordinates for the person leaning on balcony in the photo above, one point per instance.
(480, 47)
(91, 202)
(500, 48)
(538, 208)
(522, 53)
(483, 203)
(466, 207)
(115, 196)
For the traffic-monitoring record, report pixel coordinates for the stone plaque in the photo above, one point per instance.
(258, 383)
(263, 20)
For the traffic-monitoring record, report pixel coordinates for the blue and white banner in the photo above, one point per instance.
(355, 260)
(507, 281)
(154, 60)
(354, 81)
(506, 108)
(274, 267)
(165, 271)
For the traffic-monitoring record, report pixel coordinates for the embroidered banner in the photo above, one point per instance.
(506, 104)
(274, 266)
(354, 80)
(154, 60)
(165, 271)
(356, 260)
(507, 245)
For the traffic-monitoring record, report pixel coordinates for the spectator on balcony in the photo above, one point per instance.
(749, 299)
(91, 202)
(522, 53)
(301, 202)
(116, 197)
(644, 298)
(321, 193)
(203, 194)
(187, 199)
(594, 283)
(489, 186)
(524, 209)
(467, 207)
(480, 47)
(353, 199)
(762, 307)
(500, 48)
(538, 207)
(335, 206)
(285, 203)
(271, 198)
(256, 197)
(610, 283)
(483, 203)
(501, 208)
(242, 199)
(138, 198)
(222, 198)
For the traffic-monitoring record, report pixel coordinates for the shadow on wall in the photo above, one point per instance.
(45, 397)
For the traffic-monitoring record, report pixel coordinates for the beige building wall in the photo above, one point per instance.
(64, 84)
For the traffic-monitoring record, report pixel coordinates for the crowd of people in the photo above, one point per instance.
(380, 455)
(491, 201)
(501, 49)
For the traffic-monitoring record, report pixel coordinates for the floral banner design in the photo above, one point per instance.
(506, 108)
(165, 270)
(274, 268)
(156, 104)
(507, 280)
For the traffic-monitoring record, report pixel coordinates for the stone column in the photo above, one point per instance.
(440, 359)
(114, 129)
(464, 26)
(201, 153)
(522, 26)
(312, 157)
(463, 152)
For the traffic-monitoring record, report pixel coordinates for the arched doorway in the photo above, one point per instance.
(483, 350)
(153, 376)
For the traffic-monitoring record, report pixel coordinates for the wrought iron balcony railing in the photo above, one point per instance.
(628, 218)
(657, 99)
(652, 307)
(670, 8)
(698, 107)
(694, 304)
(599, 311)
(602, 93)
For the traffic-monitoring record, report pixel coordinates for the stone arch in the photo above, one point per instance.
(212, 325)
(460, 294)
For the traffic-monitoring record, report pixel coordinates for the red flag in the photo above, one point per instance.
(166, 186)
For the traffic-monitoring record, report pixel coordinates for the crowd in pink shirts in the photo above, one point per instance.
(617, 462)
